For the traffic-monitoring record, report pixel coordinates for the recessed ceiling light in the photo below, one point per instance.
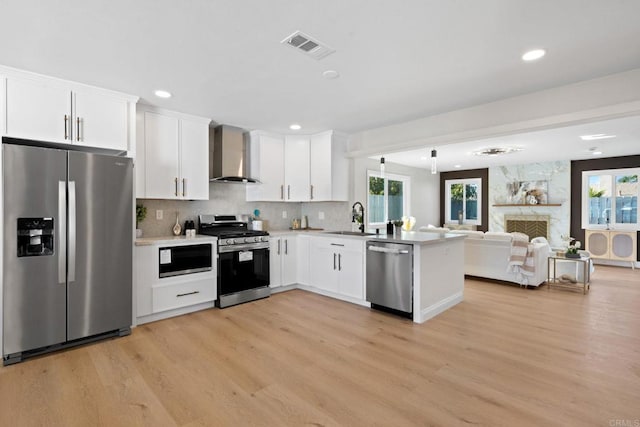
(596, 153)
(330, 74)
(424, 158)
(457, 166)
(596, 136)
(295, 126)
(162, 93)
(534, 54)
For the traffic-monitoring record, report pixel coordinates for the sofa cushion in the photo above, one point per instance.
(519, 236)
(497, 235)
(471, 234)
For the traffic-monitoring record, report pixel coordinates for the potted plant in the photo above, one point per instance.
(141, 214)
(572, 250)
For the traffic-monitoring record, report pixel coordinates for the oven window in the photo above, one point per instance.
(242, 270)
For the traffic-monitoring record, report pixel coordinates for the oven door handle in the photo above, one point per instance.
(246, 247)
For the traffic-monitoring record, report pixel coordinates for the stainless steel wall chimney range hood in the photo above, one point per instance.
(228, 160)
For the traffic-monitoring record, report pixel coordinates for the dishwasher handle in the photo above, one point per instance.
(387, 250)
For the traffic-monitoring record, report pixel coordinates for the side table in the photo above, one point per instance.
(586, 265)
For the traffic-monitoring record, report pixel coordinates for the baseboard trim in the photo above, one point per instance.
(434, 309)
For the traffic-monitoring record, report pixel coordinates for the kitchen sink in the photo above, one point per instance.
(350, 233)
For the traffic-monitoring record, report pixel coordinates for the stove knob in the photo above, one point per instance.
(230, 242)
(256, 239)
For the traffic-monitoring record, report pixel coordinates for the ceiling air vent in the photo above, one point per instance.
(307, 45)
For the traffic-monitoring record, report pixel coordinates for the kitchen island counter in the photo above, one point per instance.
(438, 267)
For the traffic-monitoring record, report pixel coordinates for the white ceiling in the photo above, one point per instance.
(541, 146)
(397, 61)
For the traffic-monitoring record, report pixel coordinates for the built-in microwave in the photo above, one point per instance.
(184, 259)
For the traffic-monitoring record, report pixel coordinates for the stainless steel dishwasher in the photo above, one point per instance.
(390, 277)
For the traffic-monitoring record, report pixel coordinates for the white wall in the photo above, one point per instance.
(425, 188)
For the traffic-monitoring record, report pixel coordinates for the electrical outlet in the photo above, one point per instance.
(159, 214)
(284, 214)
(320, 215)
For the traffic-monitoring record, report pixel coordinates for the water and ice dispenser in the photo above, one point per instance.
(35, 237)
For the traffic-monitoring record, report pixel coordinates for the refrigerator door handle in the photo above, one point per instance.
(72, 231)
(62, 236)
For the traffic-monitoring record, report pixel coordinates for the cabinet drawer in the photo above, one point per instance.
(167, 297)
(341, 244)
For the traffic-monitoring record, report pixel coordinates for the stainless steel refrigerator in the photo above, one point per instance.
(67, 248)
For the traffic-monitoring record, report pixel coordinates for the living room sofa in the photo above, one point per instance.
(488, 254)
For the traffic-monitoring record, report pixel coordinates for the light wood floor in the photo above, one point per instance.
(505, 356)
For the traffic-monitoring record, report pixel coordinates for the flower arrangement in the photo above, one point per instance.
(572, 250)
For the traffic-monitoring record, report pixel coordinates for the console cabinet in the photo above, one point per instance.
(612, 245)
(52, 110)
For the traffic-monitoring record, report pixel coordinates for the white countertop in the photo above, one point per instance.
(164, 240)
(409, 237)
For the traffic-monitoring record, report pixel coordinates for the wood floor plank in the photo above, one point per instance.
(504, 356)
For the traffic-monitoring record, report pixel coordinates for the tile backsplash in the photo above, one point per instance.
(226, 198)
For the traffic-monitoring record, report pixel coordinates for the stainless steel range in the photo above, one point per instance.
(243, 259)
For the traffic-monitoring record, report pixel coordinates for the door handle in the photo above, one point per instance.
(187, 293)
(184, 187)
(72, 232)
(278, 247)
(334, 261)
(66, 131)
(286, 247)
(311, 191)
(289, 192)
(62, 227)
(339, 262)
(77, 128)
(282, 192)
(176, 182)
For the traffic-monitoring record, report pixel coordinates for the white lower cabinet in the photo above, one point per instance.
(282, 261)
(337, 266)
(158, 298)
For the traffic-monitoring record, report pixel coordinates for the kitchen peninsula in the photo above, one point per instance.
(333, 264)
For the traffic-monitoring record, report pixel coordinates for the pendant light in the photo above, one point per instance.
(434, 166)
(381, 167)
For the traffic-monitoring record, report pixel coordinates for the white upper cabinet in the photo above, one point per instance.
(173, 155)
(100, 120)
(194, 166)
(298, 168)
(328, 167)
(266, 164)
(52, 110)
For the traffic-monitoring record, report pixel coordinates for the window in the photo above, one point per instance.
(388, 197)
(610, 198)
(463, 198)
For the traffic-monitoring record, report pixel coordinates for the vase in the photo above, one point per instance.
(397, 230)
(138, 232)
(568, 255)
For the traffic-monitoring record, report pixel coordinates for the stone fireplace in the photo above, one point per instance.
(531, 225)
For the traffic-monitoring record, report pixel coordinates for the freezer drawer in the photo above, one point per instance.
(389, 277)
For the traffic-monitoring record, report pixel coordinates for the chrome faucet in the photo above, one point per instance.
(355, 213)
